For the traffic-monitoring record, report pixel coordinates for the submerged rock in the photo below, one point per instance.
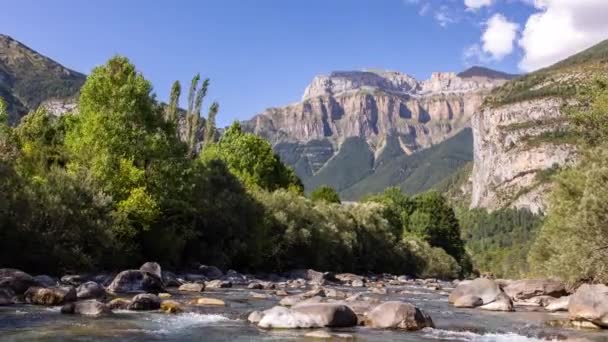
(91, 307)
(145, 302)
(50, 296)
(136, 281)
(529, 288)
(398, 315)
(207, 301)
(309, 316)
(171, 306)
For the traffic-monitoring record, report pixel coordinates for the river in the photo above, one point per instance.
(39, 323)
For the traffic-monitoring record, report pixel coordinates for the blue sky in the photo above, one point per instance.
(262, 53)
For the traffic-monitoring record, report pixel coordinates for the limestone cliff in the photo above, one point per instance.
(393, 114)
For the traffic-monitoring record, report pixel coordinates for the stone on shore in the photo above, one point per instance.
(559, 304)
(398, 315)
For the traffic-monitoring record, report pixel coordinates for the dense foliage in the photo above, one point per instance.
(573, 241)
(122, 181)
(325, 193)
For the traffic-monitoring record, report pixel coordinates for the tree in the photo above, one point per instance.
(252, 160)
(325, 193)
(172, 109)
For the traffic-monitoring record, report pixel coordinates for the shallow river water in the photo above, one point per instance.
(38, 323)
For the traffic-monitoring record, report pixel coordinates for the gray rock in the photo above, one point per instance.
(398, 315)
(6, 296)
(192, 287)
(218, 284)
(152, 268)
(50, 296)
(90, 290)
(136, 281)
(74, 279)
(309, 316)
(145, 302)
(255, 286)
(590, 303)
(468, 301)
(528, 288)
(170, 279)
(92, 308)
(502, 303)
(357, 283)
(255, 317)
(559, 304)
(17, 281)
(211, 272)
(486, 289)
(46, 281)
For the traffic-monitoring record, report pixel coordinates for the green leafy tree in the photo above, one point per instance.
(325, 193)
(252, 160)
(172, 109)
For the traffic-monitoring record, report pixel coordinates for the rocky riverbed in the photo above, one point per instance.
(207, 304)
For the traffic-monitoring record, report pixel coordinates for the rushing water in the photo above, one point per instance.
(27, 323)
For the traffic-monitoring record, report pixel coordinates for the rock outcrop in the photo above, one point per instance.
(513, 144)
(389, 112)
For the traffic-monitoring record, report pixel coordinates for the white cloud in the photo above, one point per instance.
(473, 54)
(562, 28)
(444, 17)
(499, 37)
(477, 4)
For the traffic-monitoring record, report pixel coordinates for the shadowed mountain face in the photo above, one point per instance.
(28, 79)
(359, 131)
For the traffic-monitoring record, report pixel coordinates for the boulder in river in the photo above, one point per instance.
(558, 304)
(90, 307)
(590, 303)
(152, 268)
(207, 301)
(528, 288)
(145, 302)
(218, 284)
(119, 304)
(468, 301)
(398, 315)
(483, 288)
(171, 306)
(74, 279)
(192, 287)
(46, 281)
(6, 296)
(170, 279)
(502, 303)
(135, 281)
(211, 272)
(90, 290)
(50, 296)
(17, 281)
(309, 316)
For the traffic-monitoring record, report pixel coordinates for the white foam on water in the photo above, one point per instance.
(469, 336)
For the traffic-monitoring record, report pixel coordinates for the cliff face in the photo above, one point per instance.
(393, 114)
(514, 146)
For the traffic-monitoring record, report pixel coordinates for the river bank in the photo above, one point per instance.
(218, 306)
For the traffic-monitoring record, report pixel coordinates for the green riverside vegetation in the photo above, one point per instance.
(126, 179)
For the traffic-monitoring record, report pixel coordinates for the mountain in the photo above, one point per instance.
(521, 135)
(29, 79)
(362, 131)
(478, 71)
